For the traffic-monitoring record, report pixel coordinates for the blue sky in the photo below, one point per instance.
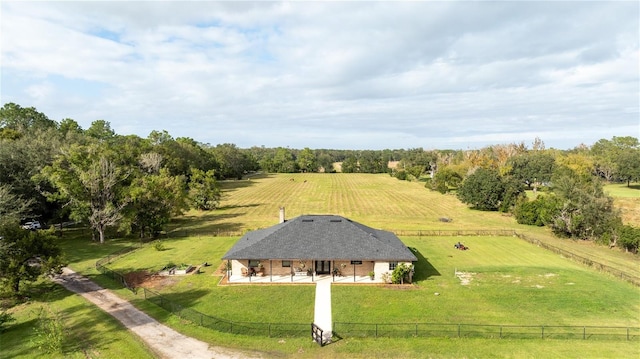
(345, 75)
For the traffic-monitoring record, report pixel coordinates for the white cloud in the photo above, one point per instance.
(353, 75)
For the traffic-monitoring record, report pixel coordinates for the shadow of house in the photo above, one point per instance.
(423, 268)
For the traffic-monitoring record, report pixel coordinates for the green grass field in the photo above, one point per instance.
(88, 331)
(512, 281)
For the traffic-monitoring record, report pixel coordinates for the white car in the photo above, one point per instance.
(32, 225)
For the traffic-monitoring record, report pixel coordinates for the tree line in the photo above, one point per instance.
(567, 186)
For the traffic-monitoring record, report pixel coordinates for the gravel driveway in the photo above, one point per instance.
(164, 341)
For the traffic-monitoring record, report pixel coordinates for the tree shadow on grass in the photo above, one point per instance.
(207, 224)
(423, 269)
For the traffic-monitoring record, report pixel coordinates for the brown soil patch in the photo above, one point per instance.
(159, 281)
(135, 279)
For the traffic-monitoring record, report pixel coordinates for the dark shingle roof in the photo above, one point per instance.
(321, 237)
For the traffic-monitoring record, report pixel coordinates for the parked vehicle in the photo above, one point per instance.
(33, 225)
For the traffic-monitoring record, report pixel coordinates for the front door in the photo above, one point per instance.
(323, 267)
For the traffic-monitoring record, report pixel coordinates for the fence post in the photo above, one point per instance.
(627, 333)
(376, 330)
(584, 333)
(416, 329)
(542, 332)
(501, 332)
(269, 330)
(458, 330)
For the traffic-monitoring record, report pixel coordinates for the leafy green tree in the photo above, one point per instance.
(537, 212)
(584, 211)
(629, 165)
(21, 119)
(513, 192)
(372, 162)
(27, 255)
(483, 190)
(307, 160)
(445, 179)
(12, 207)
(629, 238)
(284, 161)
(91, 183)
(100, 130)
(22, 159)
(350, 165)
(532, 167)
(154, 199)
(610, 155)
(231, 161)
(204, 191)
(69, 126)
(325, 161)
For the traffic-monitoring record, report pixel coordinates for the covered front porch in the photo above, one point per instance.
(306, 271)
(282, 279)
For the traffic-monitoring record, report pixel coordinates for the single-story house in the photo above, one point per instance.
(316, 246)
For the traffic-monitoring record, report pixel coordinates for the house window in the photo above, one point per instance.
(253, 262)
(356, 262)
(286, 264)
(393, 265)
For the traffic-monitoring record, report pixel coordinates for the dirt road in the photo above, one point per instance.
(162, 340)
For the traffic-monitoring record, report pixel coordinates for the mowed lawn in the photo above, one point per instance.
(511, 282)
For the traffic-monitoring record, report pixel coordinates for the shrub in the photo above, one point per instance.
(400, 273)
(159, 246)
(4, 319)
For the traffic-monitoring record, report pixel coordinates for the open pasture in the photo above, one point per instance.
(377, 200)
(627, 199)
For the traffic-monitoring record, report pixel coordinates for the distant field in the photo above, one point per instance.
(627, 199)
(379, 201)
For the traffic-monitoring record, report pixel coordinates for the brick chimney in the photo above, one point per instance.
(282, 219)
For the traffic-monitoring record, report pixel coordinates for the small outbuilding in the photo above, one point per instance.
(312, 247)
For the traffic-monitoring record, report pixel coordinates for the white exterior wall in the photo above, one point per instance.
(236, 267)
(381, 268)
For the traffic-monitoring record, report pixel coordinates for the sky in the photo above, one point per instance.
(339, 75)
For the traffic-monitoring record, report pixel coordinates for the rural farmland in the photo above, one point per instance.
(500, 281)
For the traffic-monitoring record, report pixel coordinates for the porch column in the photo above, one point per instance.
(270, 270)
(354, 273)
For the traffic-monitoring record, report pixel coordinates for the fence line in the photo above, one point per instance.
(277, 330)
(586, 261)
(452, 232)
(489, 331)
(181, 233)
(117, 276)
